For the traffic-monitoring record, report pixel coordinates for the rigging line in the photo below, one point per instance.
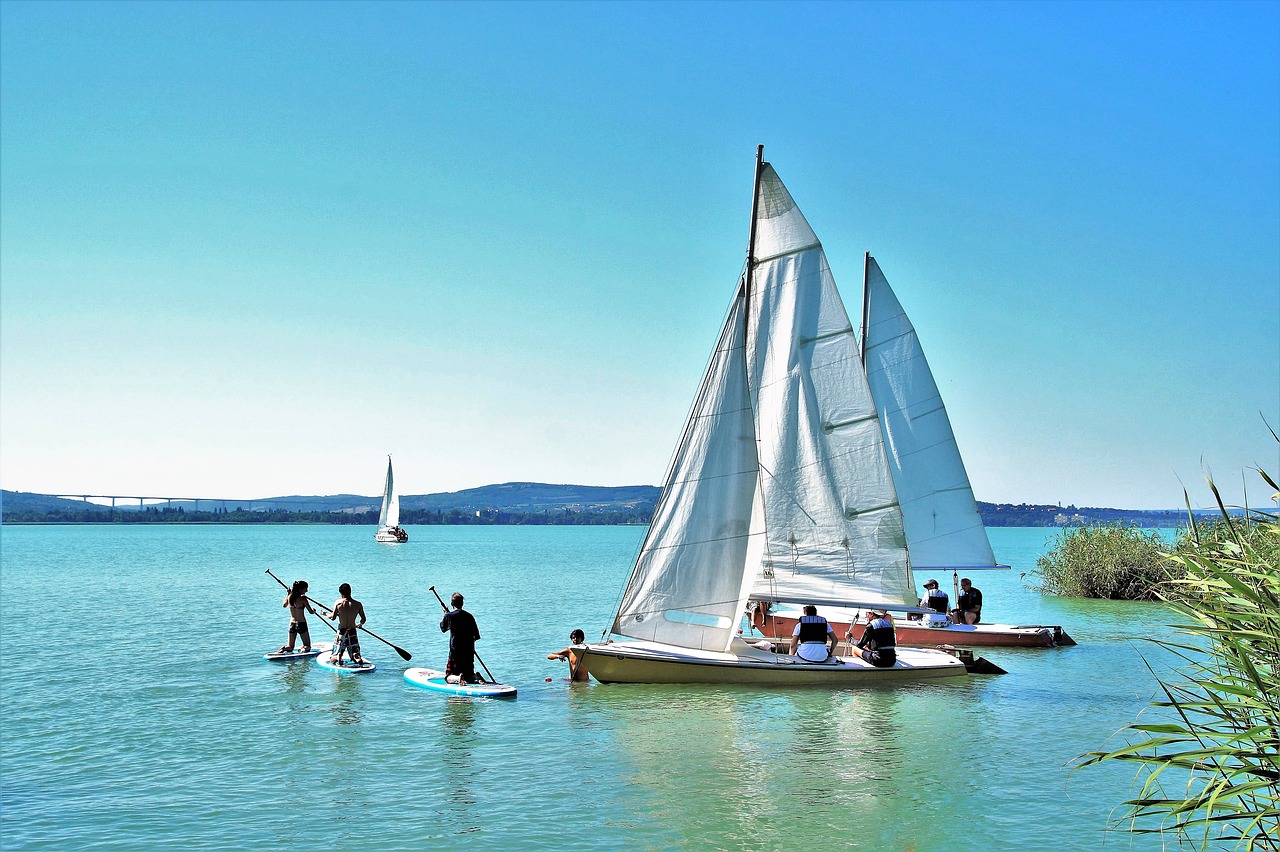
(763, 260)
(657, 548)
(789, 494)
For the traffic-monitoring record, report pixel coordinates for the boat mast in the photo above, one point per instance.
(751, 240)
(866, 307)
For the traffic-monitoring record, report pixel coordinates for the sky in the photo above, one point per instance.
(250, 249)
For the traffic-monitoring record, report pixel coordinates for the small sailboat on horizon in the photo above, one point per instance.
(389, 531)
(781, 472)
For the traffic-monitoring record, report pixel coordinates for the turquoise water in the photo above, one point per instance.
(138, 713)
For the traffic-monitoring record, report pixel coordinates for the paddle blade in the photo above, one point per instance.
(404, 655)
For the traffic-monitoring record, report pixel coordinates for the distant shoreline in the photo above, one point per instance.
(508, 504)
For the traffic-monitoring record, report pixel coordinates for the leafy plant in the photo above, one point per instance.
(1111, 561)
(1221, 744)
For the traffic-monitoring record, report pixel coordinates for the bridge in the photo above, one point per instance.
(188, 503)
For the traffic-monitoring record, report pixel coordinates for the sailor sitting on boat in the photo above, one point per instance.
(934, 598)
(877, 642)
(816, 639)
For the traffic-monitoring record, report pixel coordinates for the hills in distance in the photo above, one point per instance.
(506, 503)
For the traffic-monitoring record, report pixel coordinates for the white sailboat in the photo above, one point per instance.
(389, 530)
(779, 488)
(944, 529)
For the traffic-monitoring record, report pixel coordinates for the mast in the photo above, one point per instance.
(866, 307)
(751, 240)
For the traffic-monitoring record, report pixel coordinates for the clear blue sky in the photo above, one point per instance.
(248, 249)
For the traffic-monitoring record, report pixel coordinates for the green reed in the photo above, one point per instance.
(1112, 561)
(1211, 773)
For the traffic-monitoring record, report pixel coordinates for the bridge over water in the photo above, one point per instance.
(134, 502)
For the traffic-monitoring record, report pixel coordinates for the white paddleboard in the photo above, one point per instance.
(346, 667)
(316, 650)
(434, 680)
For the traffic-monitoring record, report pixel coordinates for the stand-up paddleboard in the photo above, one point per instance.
(345, 667)
(316, 650)
(434, 680)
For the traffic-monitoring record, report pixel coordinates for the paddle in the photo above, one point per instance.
(492, 679)
(404, 655)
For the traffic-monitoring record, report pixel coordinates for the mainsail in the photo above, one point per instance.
(390, 514)
(779, 488)
(833, 526)
(941, 517)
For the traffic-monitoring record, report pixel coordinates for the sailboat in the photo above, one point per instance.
(779, 487)
(944, 530)
(389, 530)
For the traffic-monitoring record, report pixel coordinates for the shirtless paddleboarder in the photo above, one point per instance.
(346, 611)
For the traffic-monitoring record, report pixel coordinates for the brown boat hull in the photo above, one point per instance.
(967, 635)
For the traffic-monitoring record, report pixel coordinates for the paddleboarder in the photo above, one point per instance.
(296, 601)
(346, 611)
(577, 671)
(463, 633)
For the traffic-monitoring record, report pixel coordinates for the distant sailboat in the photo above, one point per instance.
(940, 516)
(780, 487)
(389, 518)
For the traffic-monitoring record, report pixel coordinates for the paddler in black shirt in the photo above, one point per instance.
(877, 640)
(463, 633)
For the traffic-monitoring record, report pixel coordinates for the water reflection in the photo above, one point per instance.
(460, 772)
(731, 760)
(292, 675)
(346, 709)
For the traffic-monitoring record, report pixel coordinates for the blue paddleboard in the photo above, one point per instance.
(316, 650)
(345, 667)
(434, 680)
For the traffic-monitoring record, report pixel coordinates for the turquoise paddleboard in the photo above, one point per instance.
(434, 680)
(346, 667)
(316, 650)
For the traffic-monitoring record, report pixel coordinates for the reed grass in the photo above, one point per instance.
(1211, 766)
(1111, 561)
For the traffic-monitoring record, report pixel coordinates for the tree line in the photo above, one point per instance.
(426, 517)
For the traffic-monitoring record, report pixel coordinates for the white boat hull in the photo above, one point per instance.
(391, 535)
(650, 662)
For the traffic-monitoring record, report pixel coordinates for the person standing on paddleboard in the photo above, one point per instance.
(296, 600)
(463, 633)
(346, 610)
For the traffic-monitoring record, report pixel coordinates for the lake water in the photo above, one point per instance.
(138, 712)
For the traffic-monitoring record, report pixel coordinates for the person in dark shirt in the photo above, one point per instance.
(463, 633)
(934, 598)
(877, 642)
(969, 605)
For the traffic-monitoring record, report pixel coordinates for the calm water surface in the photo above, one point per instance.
(139, 714)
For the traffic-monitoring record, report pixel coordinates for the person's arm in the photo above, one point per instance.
(444, 623)
(363, 617)
(559, 655)
(832, 641)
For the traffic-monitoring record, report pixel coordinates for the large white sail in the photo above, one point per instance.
(685, 588)
(390, 514)
(944, 529)
(834, 528)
